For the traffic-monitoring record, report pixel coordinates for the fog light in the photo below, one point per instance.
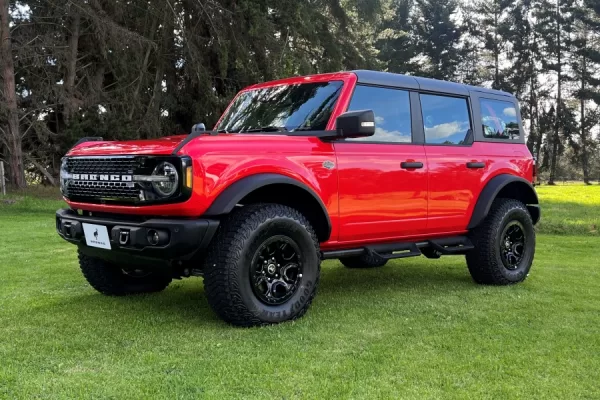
(153, 237)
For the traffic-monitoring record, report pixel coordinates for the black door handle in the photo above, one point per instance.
(474, 165)
(411, 165)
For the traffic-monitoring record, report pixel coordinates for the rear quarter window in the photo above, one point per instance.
(499, 120)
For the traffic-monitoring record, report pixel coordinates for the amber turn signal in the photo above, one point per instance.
(188, 177)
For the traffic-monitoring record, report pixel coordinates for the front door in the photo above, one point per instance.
(383, 178)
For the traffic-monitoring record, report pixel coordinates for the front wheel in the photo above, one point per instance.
(263, 266)
(116, 280)
(504, 245)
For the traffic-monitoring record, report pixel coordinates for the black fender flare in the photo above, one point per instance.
(494, 187)
(232, 195)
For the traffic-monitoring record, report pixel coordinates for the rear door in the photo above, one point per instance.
(456, 167)
(383, 178)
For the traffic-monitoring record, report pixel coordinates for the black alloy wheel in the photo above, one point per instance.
(276, 270)
(512, 245)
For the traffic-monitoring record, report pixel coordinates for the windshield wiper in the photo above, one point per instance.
(268, 128)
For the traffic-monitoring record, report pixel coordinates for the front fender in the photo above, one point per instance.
(233, 194)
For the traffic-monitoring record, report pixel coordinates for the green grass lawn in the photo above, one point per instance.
(415, 328)
(573, 209)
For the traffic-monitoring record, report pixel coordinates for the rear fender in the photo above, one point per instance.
(509, 186)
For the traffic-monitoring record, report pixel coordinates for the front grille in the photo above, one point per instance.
(98, 165)
(106, 190)
(94, 190)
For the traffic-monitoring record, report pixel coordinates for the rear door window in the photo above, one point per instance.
(499, 119)
(446, 120)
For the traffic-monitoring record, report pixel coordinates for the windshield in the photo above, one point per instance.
(305, 106)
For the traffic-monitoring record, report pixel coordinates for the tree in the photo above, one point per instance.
(555, 26)
(437, 37)
(522, 77)
(491, 27)
(10, 133)
(396, 39)
(585, 64)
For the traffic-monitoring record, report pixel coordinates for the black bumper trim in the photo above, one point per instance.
(182, 240)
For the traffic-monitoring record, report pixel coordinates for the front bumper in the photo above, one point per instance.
(180, 239)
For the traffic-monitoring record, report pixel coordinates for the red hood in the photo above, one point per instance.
(162, 146)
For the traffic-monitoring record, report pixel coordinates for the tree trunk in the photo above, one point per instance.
(71, 101)
(496, 50)
(555, 138)
(135, 103)
(531, 139)
(152, 117)
(583, 126)
(43, 171)
(12, 136)
(538, 144)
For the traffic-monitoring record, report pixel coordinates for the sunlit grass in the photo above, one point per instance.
(571, 209)
(415, 328)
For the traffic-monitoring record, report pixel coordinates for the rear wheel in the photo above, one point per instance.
(504, 245)
(116, 280)
(365, 260)
(263, 266)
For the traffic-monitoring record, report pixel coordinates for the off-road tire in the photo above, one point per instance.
(111, 280)
(485, 260)
(365, 260)
(228, 263)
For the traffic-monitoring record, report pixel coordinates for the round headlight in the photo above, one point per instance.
(64, 175)
(166, 179)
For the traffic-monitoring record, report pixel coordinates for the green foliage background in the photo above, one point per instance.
(142, 69)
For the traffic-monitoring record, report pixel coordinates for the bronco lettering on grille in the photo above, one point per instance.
(103, 177)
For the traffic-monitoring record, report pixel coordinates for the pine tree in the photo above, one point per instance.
(396, 39)
(522, 77)
(437, 36)
(555, 27)
(491, 28)
(585, 64)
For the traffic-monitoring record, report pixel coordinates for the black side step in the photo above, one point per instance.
(396, 250)
(453, 245)
(444, 246)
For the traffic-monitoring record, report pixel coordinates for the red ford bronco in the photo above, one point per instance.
(358, 166)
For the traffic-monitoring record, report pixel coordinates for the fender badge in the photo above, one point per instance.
(328, 164)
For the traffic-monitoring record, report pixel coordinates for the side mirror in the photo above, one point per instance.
(355, 124)
(198, 128)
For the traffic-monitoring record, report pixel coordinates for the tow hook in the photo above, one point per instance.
(124, 237)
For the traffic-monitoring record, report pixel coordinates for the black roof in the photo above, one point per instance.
(415, 82)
